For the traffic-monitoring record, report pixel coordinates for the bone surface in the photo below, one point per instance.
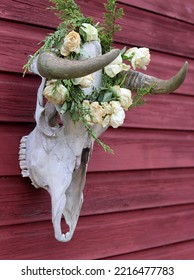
(56, 158)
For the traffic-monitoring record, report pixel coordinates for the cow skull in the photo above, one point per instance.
(55, 157)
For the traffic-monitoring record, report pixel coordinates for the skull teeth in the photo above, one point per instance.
(25, 173)
(22, 157)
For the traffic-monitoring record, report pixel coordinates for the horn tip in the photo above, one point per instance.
(183, 70)
(116, 52)
(185, 64)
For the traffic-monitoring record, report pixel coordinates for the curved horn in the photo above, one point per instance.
(136, 80)
(52, 67)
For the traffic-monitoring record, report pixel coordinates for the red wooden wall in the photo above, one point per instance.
(139, 203)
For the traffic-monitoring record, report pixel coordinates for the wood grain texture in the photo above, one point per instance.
(134, 149)
(22, 41)
(176, 9)
(18, 101)
(28, 12)
(163, 66)
(139, 203)
(18, 97)
(164, 33)
(163, 36)
(180, 251)
(23, 11)
(100, 236)
(105, 192)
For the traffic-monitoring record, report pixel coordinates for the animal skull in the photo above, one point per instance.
(56, 157)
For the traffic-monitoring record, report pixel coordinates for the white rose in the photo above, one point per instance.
(115, 67)
(89, 32)
(84, 82)
(97, 112)
(139, 58)
(118, 115)
(57, 96)
(130, 53)
(124, 96)
(71, 43)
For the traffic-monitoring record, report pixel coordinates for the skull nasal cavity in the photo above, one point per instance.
(85, 155)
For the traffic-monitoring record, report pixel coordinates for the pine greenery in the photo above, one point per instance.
(69, 12)
(113, 13)
(72, 18)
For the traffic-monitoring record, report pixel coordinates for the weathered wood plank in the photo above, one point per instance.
(175, 9)
(22, 41)
(120, 231)
(26, 12)
(134, 149)
(26, 37)
(18, 99)
(30, 12)
(109, 192)
(100, 236)
(105, 192)
(34, 12)
(156, 32)
(180, 251)
(163, 112)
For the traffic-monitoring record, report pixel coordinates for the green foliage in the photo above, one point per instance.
(55, 87)
(93, 135)
(78, 112)
(110, 27)
(72, 18)
(53, 40)
(69, 12)
(138, 98)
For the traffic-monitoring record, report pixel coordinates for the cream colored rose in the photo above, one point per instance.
(71, 43)
(56, 96)
(107, 108)
(86, 104)
(97, 112)
(89, 32)
(118, 115)
(139, 57)
(84, 82)
(106, 121)
(115, 67)
(125, 96)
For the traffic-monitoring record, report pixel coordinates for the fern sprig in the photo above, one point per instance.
(138, 99)
(69, 12)
(53, 40)
(79, 113)
(113, 13)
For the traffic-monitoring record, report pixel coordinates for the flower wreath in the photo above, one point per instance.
(106, 105)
